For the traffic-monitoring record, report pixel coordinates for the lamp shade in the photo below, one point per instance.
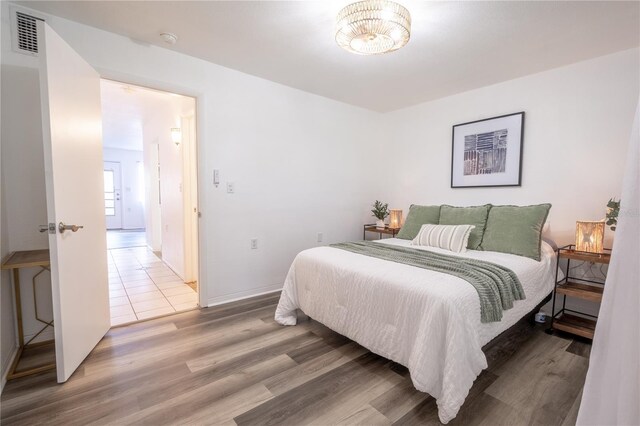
(395, 219)
(590, 236)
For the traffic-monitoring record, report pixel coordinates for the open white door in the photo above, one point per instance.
(72, 139)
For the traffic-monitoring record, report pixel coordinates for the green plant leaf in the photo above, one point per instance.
(613, 209)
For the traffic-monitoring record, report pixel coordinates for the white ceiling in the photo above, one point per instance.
(125, 108)
(454, 46)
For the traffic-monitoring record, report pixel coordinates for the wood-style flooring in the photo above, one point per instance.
(233, 364)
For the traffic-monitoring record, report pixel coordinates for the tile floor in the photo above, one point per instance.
(141, 286)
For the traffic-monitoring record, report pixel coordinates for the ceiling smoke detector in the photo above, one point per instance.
(169, 38)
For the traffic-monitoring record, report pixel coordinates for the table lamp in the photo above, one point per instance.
(589, 236)
(395, 219)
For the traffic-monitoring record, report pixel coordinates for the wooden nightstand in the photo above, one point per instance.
(372, 228)
(582, 324)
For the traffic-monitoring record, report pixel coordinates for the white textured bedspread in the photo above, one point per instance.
(425, 320)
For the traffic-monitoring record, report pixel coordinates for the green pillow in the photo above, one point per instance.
(418, 216)
(516, 230)
(476, 216)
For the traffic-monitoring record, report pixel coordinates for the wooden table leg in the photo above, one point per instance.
(12, 374)
(16, 286)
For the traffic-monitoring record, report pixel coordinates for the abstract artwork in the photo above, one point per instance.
(488, 152)
(485, 152)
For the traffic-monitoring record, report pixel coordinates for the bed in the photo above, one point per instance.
(428, 321)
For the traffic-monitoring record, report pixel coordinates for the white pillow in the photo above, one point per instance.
(449, 237)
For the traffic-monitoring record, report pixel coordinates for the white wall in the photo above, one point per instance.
(166, 221)
(8, 338)
(172, 200)
(131, 191)
(23, 195)
(577, 126)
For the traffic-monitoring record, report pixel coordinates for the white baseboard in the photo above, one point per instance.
(6, 366)
(233, 297)
(175, 271)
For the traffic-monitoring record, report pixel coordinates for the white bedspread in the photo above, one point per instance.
(425, 320)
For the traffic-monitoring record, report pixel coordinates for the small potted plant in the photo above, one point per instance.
(613, 209)
(380, 211)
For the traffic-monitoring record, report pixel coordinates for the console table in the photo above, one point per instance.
(14, 262)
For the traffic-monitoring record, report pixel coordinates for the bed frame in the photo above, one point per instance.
(530, 318)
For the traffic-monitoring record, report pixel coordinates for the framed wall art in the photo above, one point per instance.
(488, 152)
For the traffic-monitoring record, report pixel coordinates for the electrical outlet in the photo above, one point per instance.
(254, 243)
(231, 187)
(320, 236)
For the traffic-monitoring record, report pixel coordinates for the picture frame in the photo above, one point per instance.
(488, 152)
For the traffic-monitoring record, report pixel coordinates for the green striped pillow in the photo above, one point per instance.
(449, 237)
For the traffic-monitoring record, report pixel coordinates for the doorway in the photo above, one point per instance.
(150, 195)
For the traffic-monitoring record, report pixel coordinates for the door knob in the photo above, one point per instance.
(74, 228)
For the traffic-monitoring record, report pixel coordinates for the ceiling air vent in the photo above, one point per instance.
(25, 34)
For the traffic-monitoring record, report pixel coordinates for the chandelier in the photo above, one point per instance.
(372, 27)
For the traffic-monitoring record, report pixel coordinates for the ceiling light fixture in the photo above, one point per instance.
(373, 27)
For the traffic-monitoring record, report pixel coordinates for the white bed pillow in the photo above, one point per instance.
(449, 237)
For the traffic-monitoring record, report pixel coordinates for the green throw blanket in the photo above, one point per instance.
(496, 285)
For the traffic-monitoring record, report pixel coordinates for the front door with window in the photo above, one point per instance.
(112, 198)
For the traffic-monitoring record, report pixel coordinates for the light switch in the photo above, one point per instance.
(231, 187)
